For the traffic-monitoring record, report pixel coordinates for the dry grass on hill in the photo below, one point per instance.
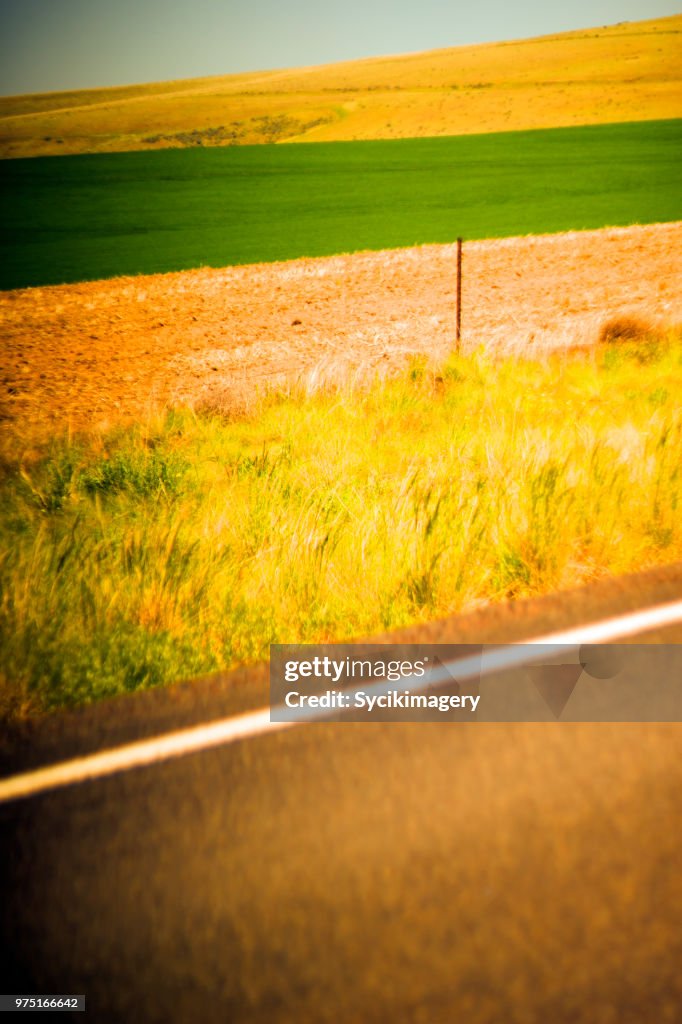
(625, 72)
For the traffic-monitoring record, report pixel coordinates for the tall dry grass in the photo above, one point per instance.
(191, 543)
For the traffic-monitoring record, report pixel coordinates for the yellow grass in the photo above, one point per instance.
(625, 72)
(188, 544)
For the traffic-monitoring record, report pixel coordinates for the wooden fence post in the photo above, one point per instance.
(459, 293)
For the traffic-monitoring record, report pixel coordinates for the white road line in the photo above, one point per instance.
(255, 723)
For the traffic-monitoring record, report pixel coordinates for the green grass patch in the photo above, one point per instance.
(88, 217)
(190, 544)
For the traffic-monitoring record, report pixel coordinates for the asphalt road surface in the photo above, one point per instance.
(357, 872)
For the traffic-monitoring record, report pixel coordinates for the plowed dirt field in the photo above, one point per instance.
(87, 356)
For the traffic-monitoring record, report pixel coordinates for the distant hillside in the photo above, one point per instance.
(626, 72)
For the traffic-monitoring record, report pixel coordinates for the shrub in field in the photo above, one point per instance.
(625, 328)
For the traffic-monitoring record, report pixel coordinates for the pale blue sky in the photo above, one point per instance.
(65, 44)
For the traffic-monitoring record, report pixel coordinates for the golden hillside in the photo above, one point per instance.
(626, 72)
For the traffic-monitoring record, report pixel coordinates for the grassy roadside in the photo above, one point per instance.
(189, 544)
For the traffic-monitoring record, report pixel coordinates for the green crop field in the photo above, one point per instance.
(87, 217)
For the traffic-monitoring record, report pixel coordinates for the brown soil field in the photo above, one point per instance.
(88, 356)
(625, 72)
